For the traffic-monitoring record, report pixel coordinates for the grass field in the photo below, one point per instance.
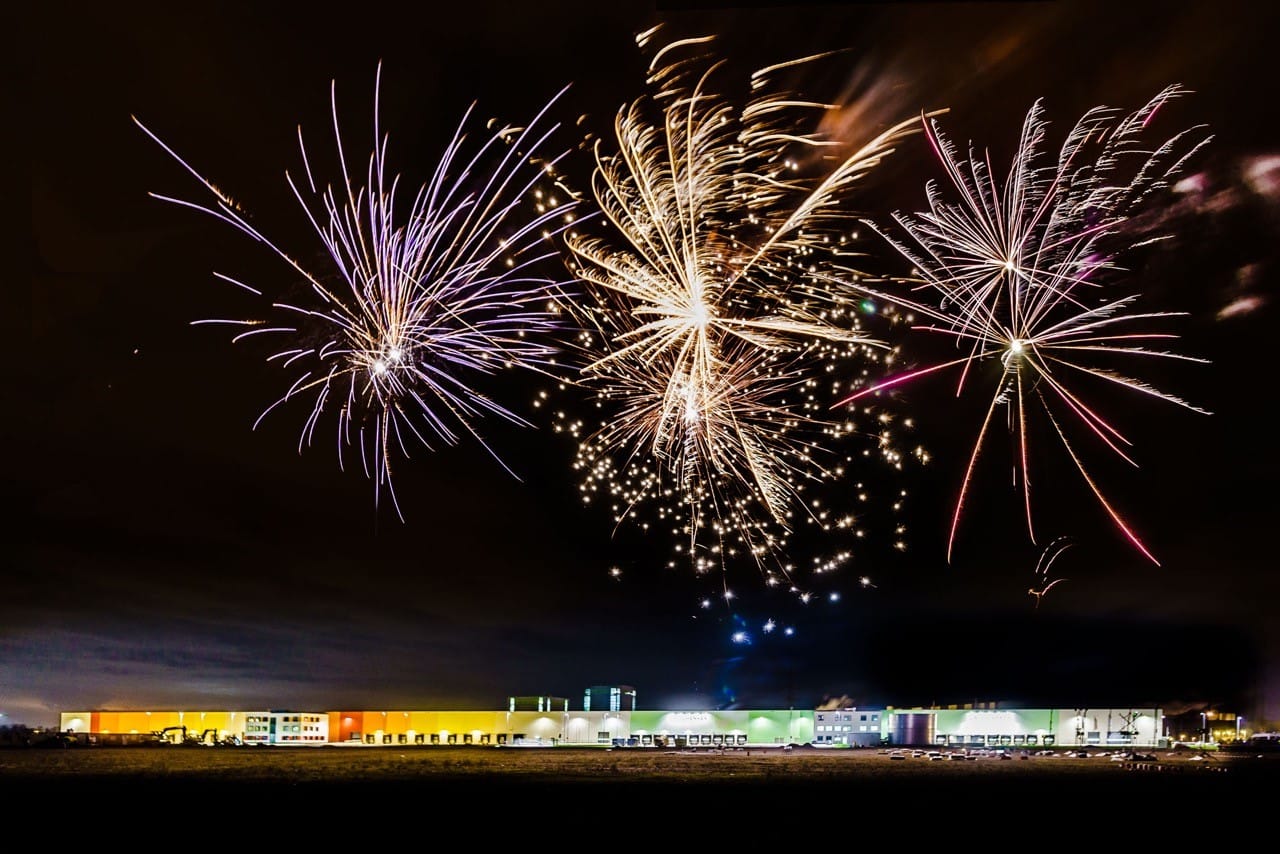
(777, 792)
(355, 764)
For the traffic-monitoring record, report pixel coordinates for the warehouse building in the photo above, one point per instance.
(549, 721)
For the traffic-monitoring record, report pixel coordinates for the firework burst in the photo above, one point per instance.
(703, 319)
(417, 303)
(1021, 276)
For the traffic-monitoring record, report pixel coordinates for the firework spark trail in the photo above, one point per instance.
(1019, 274)
(702, 309)
(415, 309)
(1047, 557)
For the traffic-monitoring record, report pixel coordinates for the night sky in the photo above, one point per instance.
(170, 556)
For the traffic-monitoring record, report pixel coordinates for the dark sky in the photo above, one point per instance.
(170, 556)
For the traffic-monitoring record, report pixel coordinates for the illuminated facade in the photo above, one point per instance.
(172, 726)
(1002, 727)
(613, 698)
(849, 727)
(285, 728)
(537, 704)
(557, 725)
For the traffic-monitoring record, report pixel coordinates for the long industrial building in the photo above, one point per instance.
(549, 721)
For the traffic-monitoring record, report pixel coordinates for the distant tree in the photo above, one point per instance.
(16, 735)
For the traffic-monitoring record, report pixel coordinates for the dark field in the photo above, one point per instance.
(763, 793)
(357, 764)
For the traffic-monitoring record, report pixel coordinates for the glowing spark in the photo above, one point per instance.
(417, 304)
(1039, 594)
(1021, 272)
(705, 314)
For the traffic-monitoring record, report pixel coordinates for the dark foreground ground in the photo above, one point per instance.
(746, 798)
